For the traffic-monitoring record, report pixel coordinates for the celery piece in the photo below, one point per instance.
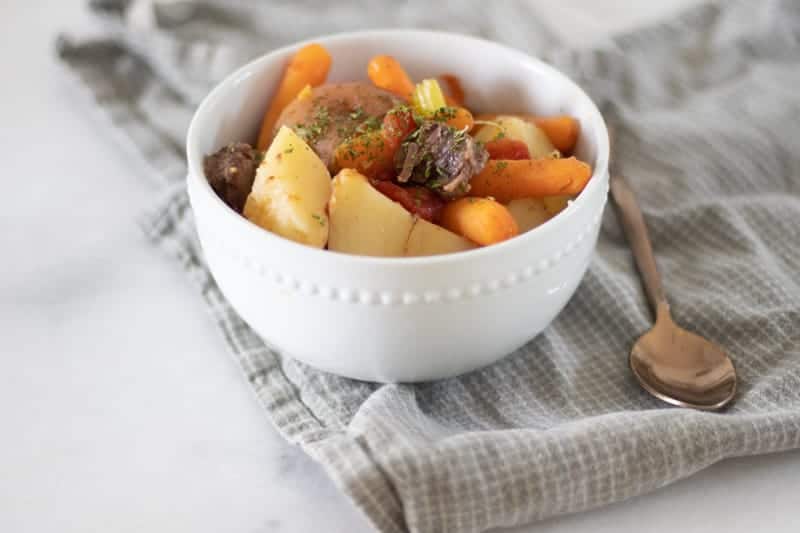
(428, 97)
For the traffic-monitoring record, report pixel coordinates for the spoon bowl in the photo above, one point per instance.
(682, 368)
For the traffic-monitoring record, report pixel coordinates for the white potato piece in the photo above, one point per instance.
(290, 192)
(555, 204)
(511, 127)
(427, 238)
(363, 220)
(528, 213)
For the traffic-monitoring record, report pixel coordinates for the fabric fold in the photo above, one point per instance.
(705, 109)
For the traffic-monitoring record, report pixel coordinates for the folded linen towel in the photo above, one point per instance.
(706, 110)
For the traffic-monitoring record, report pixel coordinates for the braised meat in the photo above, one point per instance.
(441, 158)
(231, 171)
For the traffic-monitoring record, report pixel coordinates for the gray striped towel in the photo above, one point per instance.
(707, 111)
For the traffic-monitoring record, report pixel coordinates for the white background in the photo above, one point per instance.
(119, 406)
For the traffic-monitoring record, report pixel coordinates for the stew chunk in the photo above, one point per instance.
(329, 114)
(231, 171)
(441, 158)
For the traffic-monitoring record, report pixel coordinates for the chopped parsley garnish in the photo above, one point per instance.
(357, 114)
(342, 131)
(311, 132)
(401, 108)
(443, 114)
(412, 137)
(459, 135)
(500, 166)
(406, 109)
(371, 124)
(319, 219)
(363, 139)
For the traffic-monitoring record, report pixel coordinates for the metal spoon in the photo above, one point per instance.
(671, 363)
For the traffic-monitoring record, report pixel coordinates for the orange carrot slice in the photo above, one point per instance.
(309, 66)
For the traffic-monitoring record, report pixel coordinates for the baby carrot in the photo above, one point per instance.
(462, 119)
(309, 66)
(368, 153)
(481, 220)
(387, 73)
(506, 180)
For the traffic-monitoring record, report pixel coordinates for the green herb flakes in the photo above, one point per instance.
(358, 113)
(443, 114)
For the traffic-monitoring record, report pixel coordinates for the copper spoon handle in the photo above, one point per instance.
(636, 232)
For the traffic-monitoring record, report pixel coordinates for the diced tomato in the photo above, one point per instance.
(397, 125)
(417, 200)
(507, 149)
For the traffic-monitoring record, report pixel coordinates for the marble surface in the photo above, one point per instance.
(120, 409)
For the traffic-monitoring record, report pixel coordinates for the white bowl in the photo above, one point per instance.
(400, 319)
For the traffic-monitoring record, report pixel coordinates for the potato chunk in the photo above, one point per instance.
(290, 192)
(364, 221)
(515, 128)
(528, 212)
(429, 239)
(555, 204)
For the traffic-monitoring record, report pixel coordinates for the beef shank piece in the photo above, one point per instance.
(231, 171)
(441, 158)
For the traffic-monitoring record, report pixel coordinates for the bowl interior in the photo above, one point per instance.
(495, 79)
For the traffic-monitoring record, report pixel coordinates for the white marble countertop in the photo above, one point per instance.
(120, 409)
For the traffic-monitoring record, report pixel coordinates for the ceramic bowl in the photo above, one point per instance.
(400, 319)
